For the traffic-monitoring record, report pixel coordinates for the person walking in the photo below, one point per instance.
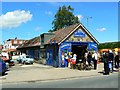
(95, 58)
(106, 63)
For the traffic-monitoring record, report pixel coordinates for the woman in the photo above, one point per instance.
(74, 61)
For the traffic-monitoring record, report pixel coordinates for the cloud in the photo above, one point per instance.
(80, 17)
(101, 29)
(48, 13)
(14, 19)
(37, 28)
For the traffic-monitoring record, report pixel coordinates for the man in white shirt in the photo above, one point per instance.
(95, 58)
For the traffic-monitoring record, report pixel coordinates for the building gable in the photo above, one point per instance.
(79, 35)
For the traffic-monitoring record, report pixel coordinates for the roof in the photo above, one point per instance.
(62, 34)
(32, 42)
(16, 39)
(59, 36)
(9, 50)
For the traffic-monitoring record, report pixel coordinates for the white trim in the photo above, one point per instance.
(90, 34)
(74, 31)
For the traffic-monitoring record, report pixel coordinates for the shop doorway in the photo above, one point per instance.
(79, 51)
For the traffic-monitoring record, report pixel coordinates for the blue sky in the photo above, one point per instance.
(36, 18)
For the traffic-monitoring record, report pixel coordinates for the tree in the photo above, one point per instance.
(64, 17)
(110, 45)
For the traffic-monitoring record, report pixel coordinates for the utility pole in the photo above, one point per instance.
(87, 21)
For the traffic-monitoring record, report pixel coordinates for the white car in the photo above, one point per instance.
(27, 60)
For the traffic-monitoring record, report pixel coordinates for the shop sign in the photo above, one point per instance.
(65, 45)
(79, 33)
(93, 46)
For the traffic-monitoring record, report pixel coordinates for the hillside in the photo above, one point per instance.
(110, 45)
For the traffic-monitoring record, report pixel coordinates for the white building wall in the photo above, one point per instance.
(8, 45)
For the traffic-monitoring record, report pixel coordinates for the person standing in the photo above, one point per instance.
(95, 58)
(69, 59)
(111, 58)
(63, 58)
(106, 63)
(89, 58)
(74, 61)
(117, 61)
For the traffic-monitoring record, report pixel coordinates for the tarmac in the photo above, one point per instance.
(39, 72)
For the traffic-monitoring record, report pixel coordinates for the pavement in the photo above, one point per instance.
(39, 72)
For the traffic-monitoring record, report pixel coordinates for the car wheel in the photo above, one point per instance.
(24, 62)
(3, 73)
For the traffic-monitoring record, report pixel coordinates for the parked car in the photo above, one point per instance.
(3, 67)
(10, 62)
(19, 59)
(27, 60)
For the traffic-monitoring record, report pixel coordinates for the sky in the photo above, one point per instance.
(26, 20)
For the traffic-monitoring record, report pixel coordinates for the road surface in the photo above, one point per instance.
(105, 81)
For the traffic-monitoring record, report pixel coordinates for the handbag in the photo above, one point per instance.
(110, 65)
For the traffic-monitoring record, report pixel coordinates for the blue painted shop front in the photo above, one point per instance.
(49, 57)
(67, 47)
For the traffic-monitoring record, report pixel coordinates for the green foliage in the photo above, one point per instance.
(110, 45)
(50, 30)
(64, 17)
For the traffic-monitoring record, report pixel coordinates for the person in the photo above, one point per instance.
(63, 57)
(69, 59)
(106, 63)
(89, 58)
(95, 58)
(111, 58)
(85, 56)
(117, 61)
(66, 60)
(74, 60)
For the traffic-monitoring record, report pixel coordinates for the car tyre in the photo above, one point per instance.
(3, 73)
(24, 62)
